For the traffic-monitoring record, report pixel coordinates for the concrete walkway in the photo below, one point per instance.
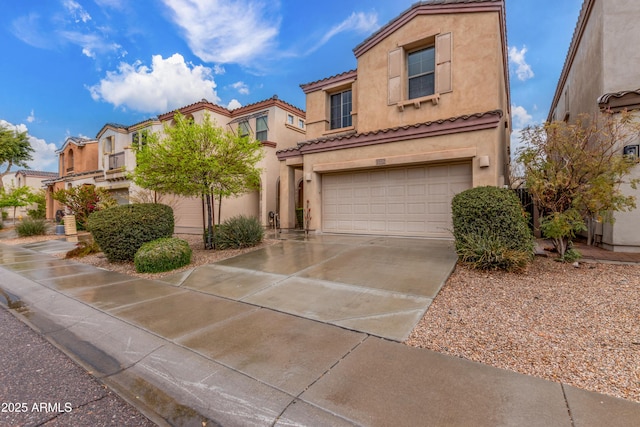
(239, 343)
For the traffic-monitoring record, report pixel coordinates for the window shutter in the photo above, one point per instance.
(395, 76)
(443, 63)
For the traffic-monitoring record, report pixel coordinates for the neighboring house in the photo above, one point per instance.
(274, 122)
(601, 73)
(26, 178)
(425, 115)
(116, 156)
(77, 165)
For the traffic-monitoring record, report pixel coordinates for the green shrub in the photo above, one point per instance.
(162, 255)
(239, 232)
(31, 227)
(121, 230)
(490, 229)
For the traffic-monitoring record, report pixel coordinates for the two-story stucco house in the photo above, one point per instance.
(274, 122)
(77, 165)
(601, 73)
(26, 178)
(425, 115)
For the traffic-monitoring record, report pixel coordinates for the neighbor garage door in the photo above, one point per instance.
(412, 201)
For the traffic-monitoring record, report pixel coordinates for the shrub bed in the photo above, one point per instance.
(121, 230)
(31, 227)
(162, 255)
(490, 229)
(239, 232)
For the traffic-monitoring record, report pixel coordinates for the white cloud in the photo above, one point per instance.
(241, 87)
(32, 117)
(113, 4)
(77, 12)
(521, 118)
(27, 29)
(91, 44)
(233, 104)
(44, 154)
(517, 58)
(168, 84)
(359, 22)
(74, 28)
(226, 32)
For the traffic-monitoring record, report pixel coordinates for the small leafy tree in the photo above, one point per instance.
(574, 172)
(15, 198)
(83, 201)
(201, 160)
(15, 150)
(39, 199)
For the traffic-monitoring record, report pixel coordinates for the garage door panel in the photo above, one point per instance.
(414, 201)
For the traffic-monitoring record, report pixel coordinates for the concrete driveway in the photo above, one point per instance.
(378, 285)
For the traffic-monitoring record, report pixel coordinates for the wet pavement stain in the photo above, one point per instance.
(173, 412)
(10, 300)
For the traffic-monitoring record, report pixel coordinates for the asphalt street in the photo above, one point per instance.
(41, 386)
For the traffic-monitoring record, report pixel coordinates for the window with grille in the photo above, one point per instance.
(341, 110)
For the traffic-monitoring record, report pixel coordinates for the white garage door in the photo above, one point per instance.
(413, 201)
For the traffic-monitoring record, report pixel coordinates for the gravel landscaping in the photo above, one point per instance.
(579, 326)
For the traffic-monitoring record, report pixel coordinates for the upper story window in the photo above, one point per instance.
(108, 145)
(341, 110)
(289, 119)
(421, 72)
(301, 123)
(261, 128)
(70, 161)
(243, 128)
(139, 139)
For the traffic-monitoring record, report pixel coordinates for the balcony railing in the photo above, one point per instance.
(116, 161)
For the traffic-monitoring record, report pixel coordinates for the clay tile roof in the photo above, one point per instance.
(436, 127)
(309, 87)
(604, 99)
(29, 172)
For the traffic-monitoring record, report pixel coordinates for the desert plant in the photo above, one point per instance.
(121, 230)
(83, 249)
(489, 252)
(31, 227)
(490, 229)
(162, 255)
(239, 232)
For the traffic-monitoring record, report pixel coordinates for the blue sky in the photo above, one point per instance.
(70, 66)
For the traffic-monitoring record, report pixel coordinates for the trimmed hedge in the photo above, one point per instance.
(121, 230)
(239, 232)
(162, 255)
(490, 229)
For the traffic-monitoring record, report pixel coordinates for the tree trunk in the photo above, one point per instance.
(209, 242)
(220, 209)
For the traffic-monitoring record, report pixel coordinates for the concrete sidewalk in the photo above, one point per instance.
(184, 356)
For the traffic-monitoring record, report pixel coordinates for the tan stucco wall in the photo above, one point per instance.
(621, 41)
(478, 78)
